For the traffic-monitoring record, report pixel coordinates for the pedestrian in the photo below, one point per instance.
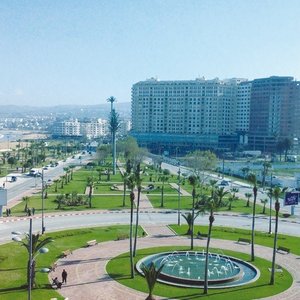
(4, 185)
(64, 276)
(9, 212)
(33, 211)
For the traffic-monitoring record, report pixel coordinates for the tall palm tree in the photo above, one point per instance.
(56, 181)
(193, 182)
(114, 125)
(138, 181)
(211, 205)
(253, 181)
(131, 185)
(277, 191)
(248, 196)
(163, 178)
(90, 184)
(232, 198)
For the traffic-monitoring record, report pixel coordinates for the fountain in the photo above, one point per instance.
(186, 268)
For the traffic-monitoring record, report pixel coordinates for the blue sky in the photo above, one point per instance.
(81, 52)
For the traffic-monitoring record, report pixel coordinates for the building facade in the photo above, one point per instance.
(215, 114)
(192, 113)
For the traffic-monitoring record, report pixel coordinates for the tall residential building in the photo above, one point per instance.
(193, 113)
(66, 128)
(274, 111)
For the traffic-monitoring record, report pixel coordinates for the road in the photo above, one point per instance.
(54, 223)
(26, 183)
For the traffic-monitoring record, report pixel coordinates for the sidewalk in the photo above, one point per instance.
(88, 278)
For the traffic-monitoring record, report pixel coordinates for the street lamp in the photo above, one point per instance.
(43, 188)
(31, 259)
(179, 195)
(271, 198)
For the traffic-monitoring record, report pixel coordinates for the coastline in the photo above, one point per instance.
(9, 138)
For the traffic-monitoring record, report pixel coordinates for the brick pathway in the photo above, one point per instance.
(88, 279)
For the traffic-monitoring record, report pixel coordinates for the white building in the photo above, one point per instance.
(67, 128)
(202, 107)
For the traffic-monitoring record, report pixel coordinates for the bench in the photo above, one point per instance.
(283, 249)
(66, 253)
(243, 240)
(91, 243)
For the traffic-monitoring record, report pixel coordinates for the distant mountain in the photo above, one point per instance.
(72, 111)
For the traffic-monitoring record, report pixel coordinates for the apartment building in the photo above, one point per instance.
(197, 113)
(274, 111)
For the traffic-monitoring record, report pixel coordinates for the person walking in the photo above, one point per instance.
(64, 276)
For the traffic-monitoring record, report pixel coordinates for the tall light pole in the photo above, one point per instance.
(43, 196)
(179, 196)
(271, 198)
(30, 256)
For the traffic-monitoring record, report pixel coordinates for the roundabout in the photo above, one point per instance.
(91, 275)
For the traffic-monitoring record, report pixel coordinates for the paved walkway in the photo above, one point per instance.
(88, 279)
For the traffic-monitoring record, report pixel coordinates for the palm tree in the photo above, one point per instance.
(151, 274)
(114, 125)
(131, 185)
(163, 178)
(188, 218)
(231, 199)
(125, 179)
(220, 194)
(56, 181)
(211, 205)
(253, 181)
(59, 199)
(26, 199)
(264, 202)
(138, 181)
(193, 182)
(277, 191)
(90, 184)
(37, 244)
(248, 196)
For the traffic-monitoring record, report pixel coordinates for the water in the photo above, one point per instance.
(186, 268)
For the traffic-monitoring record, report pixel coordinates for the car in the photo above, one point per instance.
(224, 183)
(13, 178)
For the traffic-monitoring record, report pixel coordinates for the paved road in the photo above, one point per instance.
(78, 219)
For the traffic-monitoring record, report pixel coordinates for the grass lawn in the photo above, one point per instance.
(228, 233)
(98, 202)
(118, 269)
(13, 260)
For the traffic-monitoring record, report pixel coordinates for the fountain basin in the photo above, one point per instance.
(186, 268)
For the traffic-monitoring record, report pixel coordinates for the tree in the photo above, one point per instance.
(59, 199)
(26, 199)
(266, 166)
(103, 153)
(220, 194)
(253, 181)
(193, 182)
(211, 205)
(232, 198)
(264, 202)
(90, 184)
(151, 274)
(56, 181)
(131, 184)
(114, 125)
(189, 220)
(245, 171)
(277, 191)
(164, 177)
(138, 181)
(37, 244)
(248, 196)
(12, 161)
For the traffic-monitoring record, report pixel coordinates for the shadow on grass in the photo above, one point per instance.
(13, 289)
(222, 291)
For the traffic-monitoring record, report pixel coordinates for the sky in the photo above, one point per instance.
(57, 52)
